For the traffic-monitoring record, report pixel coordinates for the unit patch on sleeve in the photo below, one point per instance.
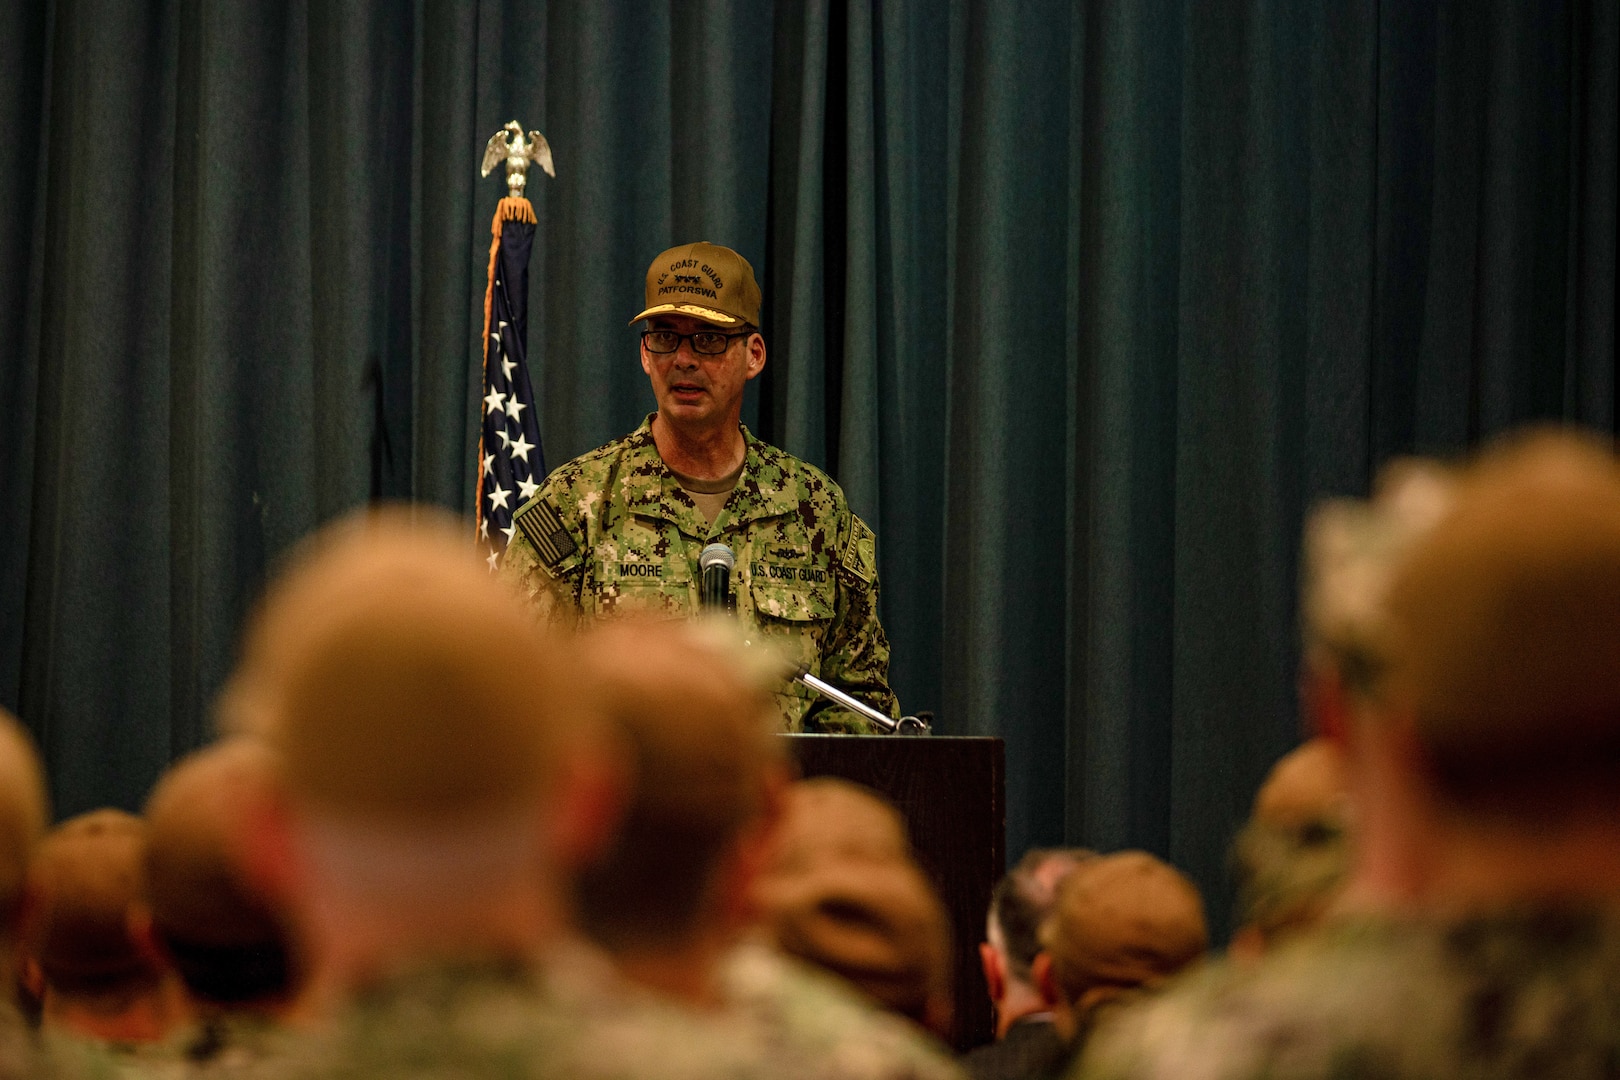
(860, 556)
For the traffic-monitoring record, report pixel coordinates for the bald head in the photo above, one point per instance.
(400, 682)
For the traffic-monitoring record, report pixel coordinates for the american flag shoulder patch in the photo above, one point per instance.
(543, 527)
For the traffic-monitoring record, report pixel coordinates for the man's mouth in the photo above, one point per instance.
(686, 389)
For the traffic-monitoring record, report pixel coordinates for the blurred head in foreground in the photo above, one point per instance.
(98, 975)
(1020, 903)
(1294, 853)
(1485, 764)
(23, 814)
(706, 774)
(1350, 552)
(1121, 926)
(227, 938)
(437, 766)
(844, 893)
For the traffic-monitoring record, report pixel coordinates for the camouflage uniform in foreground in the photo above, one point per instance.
(483, 1021)
(1535, 994)
(613, 532)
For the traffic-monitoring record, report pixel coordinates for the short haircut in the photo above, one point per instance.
(700, 734)
(369, 668)
(1023, 898)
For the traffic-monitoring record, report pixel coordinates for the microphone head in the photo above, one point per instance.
(717, 555)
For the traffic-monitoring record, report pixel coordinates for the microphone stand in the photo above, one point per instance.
(906, 725)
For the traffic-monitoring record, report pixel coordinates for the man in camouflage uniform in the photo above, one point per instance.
(1479, 934)
(621, 528)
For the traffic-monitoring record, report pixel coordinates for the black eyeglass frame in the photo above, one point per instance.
(721, 351)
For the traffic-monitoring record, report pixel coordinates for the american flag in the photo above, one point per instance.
(511, 463)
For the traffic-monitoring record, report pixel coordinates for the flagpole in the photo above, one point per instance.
(504, 475)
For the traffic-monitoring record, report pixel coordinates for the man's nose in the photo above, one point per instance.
(685, 355)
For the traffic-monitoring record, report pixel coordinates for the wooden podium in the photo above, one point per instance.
(952, 793)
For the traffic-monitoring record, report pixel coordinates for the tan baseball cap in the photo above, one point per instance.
(196, 825)
(1123, 920)
(86, 880)
(705, 281)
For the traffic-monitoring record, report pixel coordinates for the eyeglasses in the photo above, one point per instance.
(707, 342)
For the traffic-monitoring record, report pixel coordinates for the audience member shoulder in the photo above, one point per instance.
(827, 1022)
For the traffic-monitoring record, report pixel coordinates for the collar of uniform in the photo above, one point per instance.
(765, 488)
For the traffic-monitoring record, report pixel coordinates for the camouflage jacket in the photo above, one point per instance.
(495, 1022)
(1505, 996)
(612, 531)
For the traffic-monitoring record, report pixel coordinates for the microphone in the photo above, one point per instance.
(715, 566)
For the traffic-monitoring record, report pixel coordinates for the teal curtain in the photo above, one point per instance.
(1083, 304)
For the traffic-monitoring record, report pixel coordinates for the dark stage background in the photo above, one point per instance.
(1083, 304)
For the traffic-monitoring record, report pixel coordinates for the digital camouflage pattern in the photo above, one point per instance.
(613, 532)
(1483, 998)
(487, 1021)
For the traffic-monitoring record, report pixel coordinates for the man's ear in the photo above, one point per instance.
(1326, 702)
(32, 976)
(755, 851)
(144, 936)
(756, 355)
(1045, 979)
(995, 973)
(584, 817)
(269, 851)
(641, 347)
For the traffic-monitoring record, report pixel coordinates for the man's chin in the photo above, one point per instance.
(689, 412)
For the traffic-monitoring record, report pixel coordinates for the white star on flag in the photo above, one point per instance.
(498, 497)
(489, 464)
(514, 409)
(493, 402)
(521, 447)
(527, 488)
(508, 531)
(493, 561)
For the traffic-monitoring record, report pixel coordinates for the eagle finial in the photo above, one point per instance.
(518, 151)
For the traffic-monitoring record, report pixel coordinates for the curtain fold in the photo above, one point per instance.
(1083, 304)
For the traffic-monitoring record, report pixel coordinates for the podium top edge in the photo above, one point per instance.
(891, 738)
